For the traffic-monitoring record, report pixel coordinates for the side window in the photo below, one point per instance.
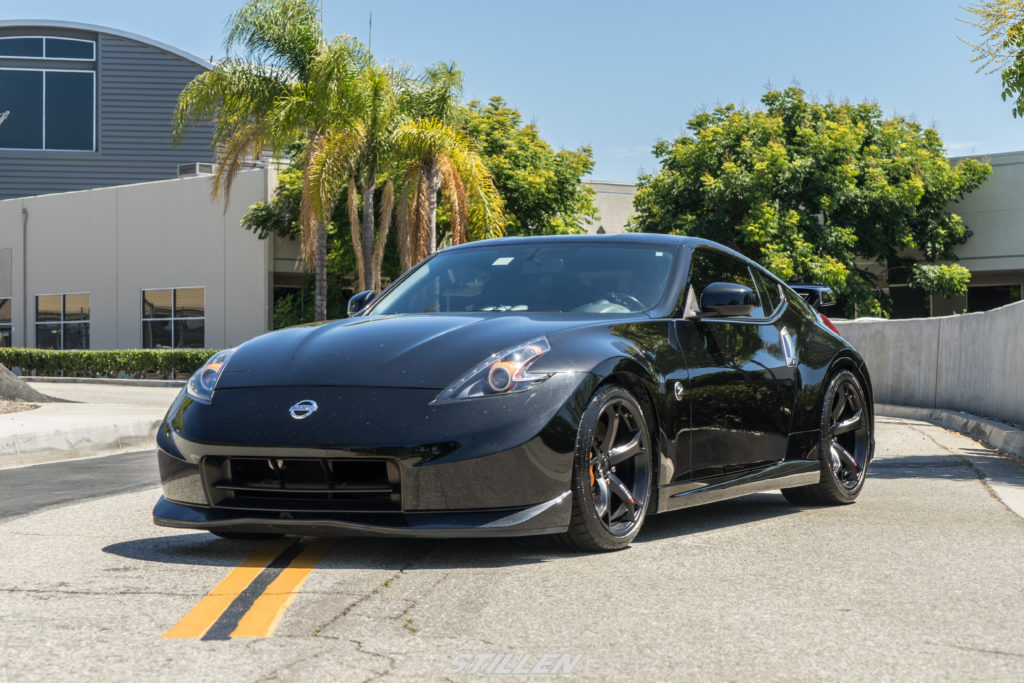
(708, 266)
(770, 293)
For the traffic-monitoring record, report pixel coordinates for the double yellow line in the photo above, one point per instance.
(251, 600)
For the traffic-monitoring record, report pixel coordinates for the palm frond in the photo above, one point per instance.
(486, 208)
(310, 214)
(387, 209)
(246, 143)
(280, 32)
(331, 163)
(404, 210)
(356, 228)
(455, 193)
(231, 94)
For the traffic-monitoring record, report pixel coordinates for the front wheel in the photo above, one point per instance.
(612, 473)
(845, 447)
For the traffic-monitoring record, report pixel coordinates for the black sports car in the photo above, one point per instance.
(549, 385)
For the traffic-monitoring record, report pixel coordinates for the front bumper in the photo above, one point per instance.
(485, 467)
(548, 517)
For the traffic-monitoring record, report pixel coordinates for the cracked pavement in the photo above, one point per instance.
(921, 578)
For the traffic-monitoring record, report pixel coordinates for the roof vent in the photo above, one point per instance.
(194, 169)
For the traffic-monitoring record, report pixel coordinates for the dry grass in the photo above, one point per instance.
(15, 406)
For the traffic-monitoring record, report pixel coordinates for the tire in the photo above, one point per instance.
(612, 479)
(845, 448)
(245, 535)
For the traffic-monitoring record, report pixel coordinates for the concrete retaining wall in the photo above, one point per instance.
(972, 362)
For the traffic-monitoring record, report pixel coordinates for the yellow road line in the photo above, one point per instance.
(263, 617)
(205, 614)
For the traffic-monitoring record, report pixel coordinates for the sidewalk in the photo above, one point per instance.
(105, 418)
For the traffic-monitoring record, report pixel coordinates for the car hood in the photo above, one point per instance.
(426, 351)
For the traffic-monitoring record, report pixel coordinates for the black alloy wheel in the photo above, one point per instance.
(845, 448)
(612, 473)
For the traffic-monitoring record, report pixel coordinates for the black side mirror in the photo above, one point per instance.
(727, 299)
(359, 301)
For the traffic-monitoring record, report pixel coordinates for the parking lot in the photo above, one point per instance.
(920, 579)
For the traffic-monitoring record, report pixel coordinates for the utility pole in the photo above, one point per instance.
(369, 40)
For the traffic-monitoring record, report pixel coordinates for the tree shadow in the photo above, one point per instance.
(949, 467)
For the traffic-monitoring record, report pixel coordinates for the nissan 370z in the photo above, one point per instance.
(549, 385)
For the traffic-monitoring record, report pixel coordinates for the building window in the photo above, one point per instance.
(5, 322)
(47, 47)
(62, 321)
(987, 297)
(174, 318)
(42, 108)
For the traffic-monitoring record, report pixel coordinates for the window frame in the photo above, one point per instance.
(62, 322)
(44, 148)
(7, 325)
(751, 268)
(92, 43)
(172, 318)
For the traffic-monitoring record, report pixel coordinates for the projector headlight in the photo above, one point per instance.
(506, 372)
(201, 385)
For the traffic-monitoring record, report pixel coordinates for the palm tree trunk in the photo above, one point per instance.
(369, 187)
(320, 298)
(432, 173)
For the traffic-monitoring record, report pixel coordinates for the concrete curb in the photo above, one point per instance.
(107, 381)
(33, 448)
(998, 435)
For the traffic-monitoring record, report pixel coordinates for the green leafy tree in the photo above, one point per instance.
(813, 190)
(541, 187)
(1001, 49)
(286, 84)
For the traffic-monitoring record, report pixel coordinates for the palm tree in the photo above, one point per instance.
(441, 161)
(288, 85)
(359, 156)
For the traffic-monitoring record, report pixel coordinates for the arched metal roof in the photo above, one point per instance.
(74, 25)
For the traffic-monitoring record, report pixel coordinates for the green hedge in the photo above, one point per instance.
(133, 362)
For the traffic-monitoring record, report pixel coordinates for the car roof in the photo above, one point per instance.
(654, 239)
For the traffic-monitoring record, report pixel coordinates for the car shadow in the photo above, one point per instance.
(714, 516)
(360, 552)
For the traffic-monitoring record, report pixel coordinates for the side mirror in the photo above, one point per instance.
(359, 301)
(727, 299)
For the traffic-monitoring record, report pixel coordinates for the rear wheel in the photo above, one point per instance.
(612, 473)
(845, 446)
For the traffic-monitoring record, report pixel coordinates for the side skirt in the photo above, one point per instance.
(781, 475)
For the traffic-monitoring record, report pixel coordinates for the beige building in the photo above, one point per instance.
(995, 252)
(143, 265)
(614, 202)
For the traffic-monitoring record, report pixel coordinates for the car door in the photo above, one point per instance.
(741, 372)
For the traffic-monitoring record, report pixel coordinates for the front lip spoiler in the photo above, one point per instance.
(549, 517)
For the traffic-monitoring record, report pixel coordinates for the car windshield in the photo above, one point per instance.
(583, 278)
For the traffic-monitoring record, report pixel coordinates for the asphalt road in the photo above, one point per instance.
(921, 579)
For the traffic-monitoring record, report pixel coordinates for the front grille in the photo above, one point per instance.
(302, 484)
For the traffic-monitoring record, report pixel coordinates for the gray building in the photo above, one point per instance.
(87, 106)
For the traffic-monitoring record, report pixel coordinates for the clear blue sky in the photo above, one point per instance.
(617, 76)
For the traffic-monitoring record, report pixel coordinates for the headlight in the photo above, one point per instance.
(201, 385)
(503, 373)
